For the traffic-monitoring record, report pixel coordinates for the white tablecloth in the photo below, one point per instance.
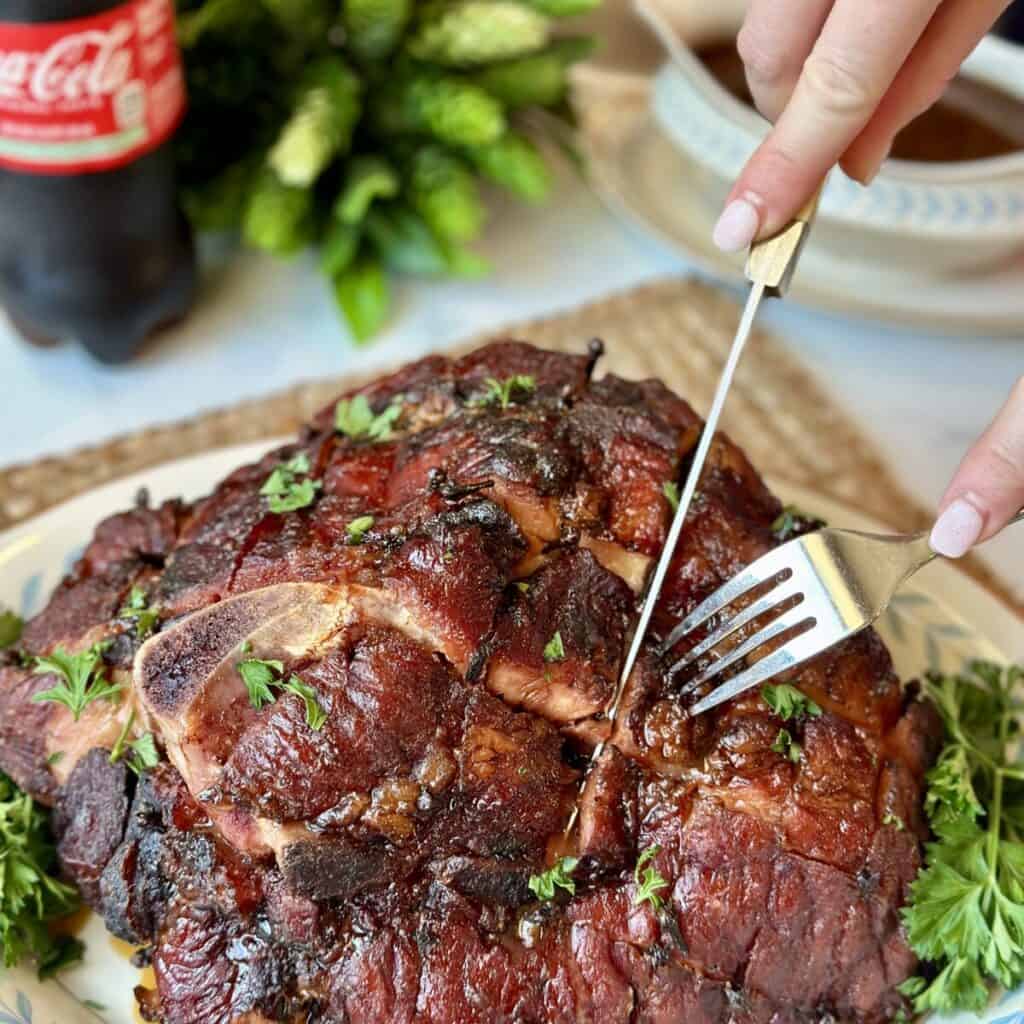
(261, 325)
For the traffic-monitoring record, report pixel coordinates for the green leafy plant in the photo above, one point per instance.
(671, 491)
(356, 530)
(649, 881)
(354, 418)
(787, 746)
(289, 487)
(137, 609)
(263, 677)
(788, 702)
(80, 679)
(502, 392)
(554, 649)
(365, 127)
(140, 753)
(544, 885)
(30, 895)
(966, 911)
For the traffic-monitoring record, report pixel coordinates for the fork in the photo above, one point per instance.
(813, 592)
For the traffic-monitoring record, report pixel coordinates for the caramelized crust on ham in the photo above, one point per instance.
(464, 648)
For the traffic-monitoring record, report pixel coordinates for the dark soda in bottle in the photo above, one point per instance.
(92, 244)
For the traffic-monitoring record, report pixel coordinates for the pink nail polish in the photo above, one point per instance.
(737, 226)
(957, 530)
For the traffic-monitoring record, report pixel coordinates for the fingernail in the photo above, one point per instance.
(737, 226)
(957, 530)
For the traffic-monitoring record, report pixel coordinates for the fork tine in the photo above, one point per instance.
(765, 604)
(757, 572)
(788, 620)
(792, 653)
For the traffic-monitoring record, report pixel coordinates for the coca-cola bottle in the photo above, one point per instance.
(92, 244)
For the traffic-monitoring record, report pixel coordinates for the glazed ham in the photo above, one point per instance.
(462, 644)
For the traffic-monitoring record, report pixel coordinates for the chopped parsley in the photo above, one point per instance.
(30, 896)
(261, 678)
(671, 491)
(554, 649)
(354, 418)
(543, 886)
(356, 530)
(522, 586)
(648, 880)
(787, 746)
(966, 908)
(285, 491)
(791, 521)
(80, 679)
(137, 610)
(315, 715)
(895, 821)
(56, 757)
(502, 392)
(10, 628)
(788, 702)
(140, 754)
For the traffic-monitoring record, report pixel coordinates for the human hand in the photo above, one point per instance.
(839, 78)
(988, 487)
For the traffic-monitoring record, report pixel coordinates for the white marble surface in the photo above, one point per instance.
(265, 325)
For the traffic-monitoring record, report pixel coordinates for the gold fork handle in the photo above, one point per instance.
(772, 261)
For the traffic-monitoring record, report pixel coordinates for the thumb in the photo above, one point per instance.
(988, 487)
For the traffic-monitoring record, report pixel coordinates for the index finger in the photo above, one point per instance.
(858, 54)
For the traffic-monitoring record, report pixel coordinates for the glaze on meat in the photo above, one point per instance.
(376, 871)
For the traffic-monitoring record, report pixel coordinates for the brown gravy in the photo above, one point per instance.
(972, 121)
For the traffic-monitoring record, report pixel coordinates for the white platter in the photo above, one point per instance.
(938, 621)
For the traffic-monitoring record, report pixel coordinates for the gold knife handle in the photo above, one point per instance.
(772, 261)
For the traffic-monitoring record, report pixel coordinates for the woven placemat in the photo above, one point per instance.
(677, 330)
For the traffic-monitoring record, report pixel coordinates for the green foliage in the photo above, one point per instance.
(671, 491)
(502, 392)
(354, 418)
(514, 163)
(473, 32)
(137, 609)
(11, 625)
(543, 886)
(363, 127)
(788, 702)
(966, 911)
(787, 746)
(289, 487)
(554, 649)
(80, 679)
(649, 881)
(356, 530)
(139, 754)
(791, 521)
(30, 895)
(263, 677)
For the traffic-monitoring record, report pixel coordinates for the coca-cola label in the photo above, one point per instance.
(89, 94)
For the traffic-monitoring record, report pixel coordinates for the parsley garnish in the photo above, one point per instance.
(522, 586)
(791, 521)
(648, 880)
(357, 529)
(29, 895)
(56, 757)
(895, 820)
(138, 611)
(788, 702)
(284, 491)
(261, 678)
(10, 629)
(141, 753)
(671, 491)
(315, 715)
(81, 679)
(501, 392)
(354, 418)
(543, 886)
(554, 649)
(785, 744)
(966, 910)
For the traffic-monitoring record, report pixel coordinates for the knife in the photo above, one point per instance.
(771, 264)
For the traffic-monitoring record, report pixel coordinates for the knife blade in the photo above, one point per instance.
(770, 265)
